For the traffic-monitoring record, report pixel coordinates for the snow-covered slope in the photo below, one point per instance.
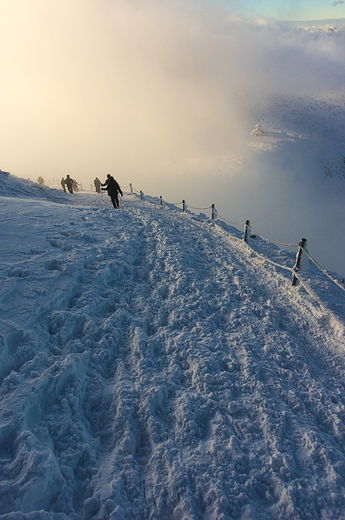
(154, 366)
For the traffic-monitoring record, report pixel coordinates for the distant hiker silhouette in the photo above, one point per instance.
(63, 184)
(75, 185)
(97, 184)
(113, 188)
(69, 183)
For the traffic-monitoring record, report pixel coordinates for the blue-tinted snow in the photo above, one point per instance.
(154, 366)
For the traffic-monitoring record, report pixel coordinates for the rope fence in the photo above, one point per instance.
(209, 207)
(231, 223)
(272, 241)
(324, 271)
(311, 292)
(295, 270)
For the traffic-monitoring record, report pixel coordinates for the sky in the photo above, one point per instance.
(291, 10)
(162, 94)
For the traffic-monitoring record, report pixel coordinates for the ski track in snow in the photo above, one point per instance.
(153, 367)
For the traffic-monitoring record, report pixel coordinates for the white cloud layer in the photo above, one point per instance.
(121, 84)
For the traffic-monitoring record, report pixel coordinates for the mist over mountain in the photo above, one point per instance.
(168, 96)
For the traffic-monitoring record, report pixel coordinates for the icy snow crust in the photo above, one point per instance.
(154, 367)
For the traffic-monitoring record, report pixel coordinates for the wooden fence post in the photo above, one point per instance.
(213, 212)
(141, 195)
(297, 265)
(130, 187)
(183, 205)
(246, 225)
(161, 200)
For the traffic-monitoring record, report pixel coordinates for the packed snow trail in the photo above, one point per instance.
(152, 367)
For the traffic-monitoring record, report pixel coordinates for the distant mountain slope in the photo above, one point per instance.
(152, 365)
(311, 133)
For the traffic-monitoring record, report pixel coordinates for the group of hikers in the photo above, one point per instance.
(110, 185)
(72, 184)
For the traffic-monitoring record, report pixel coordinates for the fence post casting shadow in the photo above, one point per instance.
(246, 225)
(297, 265)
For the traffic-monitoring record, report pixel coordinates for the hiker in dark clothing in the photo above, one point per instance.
(69, 183)
(113, 188)
(97, 184)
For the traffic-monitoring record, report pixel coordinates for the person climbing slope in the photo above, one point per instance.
(97, 184)
(113, 188)
(69, 183)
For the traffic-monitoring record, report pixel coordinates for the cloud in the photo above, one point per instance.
(146, 87)
(338, 2)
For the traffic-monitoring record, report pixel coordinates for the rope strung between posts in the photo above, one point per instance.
(209, 207)
(272, 262)
(324, 271)
(173, 203)
(296, 275)
(143, 196)
(272, 241)
(232, 223)
(311, 292)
